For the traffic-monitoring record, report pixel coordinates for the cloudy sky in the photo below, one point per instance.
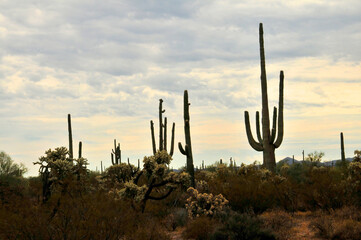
(108, 63)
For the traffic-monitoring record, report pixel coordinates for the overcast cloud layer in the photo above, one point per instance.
(108, 64)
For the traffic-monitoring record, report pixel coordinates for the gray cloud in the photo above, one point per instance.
(117, 58)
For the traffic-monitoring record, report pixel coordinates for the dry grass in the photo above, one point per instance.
(342, 223)
(279, 222)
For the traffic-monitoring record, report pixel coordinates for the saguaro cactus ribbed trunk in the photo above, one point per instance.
(162, 134)
(267, 142)
(187, 150)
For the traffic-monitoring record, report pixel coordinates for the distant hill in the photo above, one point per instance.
(289, 161)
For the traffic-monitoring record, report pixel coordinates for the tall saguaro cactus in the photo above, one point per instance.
(162, 134)
(80, 150)
(116, 154)
(187, 150)
(71, 155)
(343, 158)
(70, 138)
(267, 142)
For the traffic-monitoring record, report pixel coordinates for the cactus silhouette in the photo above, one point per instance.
(267, 142)
(162, 134)
(343, 158)
(187, 150)
(116, 154)
(71, 140)
(70, 137)
(80, 149)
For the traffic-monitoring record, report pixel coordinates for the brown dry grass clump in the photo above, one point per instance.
(344, 223)
(200, 228)
(279, 222)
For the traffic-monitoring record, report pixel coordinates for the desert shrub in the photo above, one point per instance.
(323, 189)
(200, 228)
(353, 182)
(79, 216)
(177, 218)
(12, 188)
(297, 172)
(241, 226)
(342, 223)
(357, 157)
(253, 188)
(348, 212)
(279, 221)
(324, 226)
(347, 229)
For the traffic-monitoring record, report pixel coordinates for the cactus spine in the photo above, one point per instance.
(116, 153)
(267, 142)
(187, 150)
(162, 134)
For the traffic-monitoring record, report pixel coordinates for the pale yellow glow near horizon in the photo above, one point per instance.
(334, 84)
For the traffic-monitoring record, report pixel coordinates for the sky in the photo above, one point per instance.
(108, 63)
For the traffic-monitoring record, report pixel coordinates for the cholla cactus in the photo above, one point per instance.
(120, 173)
(202, 186)
(132, 191)
(157, 177)
(157, 165)
(57, 166)
(199, 204)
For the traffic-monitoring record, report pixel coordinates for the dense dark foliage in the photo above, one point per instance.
(226, 203)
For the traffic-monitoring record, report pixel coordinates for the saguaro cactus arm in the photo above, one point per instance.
(165, 134)
(172, 141)
(255, 145)
(259, 136)
(153, 138)
(185, 150)
(162, 132)
(280, 113)
(274, 126)
(161, 111)
(112, 157)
